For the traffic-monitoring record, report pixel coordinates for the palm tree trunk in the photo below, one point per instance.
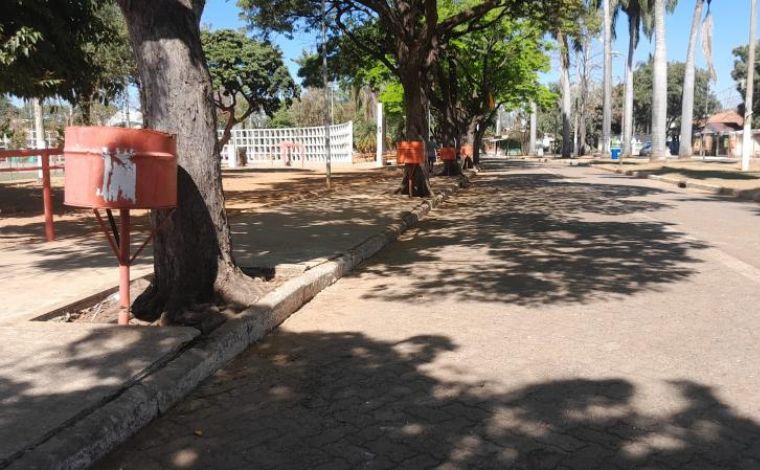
(687, 100)
(659, 85)
(607, 101)
(564, 78)
(628, 100)
(747, 141)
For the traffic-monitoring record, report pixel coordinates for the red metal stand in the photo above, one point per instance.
(124, 263)
(47, 192)
(119, 242)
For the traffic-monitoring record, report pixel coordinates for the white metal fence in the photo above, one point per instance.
(289, 145)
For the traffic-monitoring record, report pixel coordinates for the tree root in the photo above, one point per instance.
(231, 288)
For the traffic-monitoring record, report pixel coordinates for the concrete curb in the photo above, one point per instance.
(746, 194)
(80, 444)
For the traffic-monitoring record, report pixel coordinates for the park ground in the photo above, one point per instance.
(549, 317)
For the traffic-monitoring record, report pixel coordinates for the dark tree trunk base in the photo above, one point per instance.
(420, 185)
(451, 168)
(232, 289)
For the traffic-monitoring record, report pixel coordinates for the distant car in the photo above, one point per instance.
(646, 149)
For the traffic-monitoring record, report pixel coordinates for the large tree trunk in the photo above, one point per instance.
(607, 80)
(628, 99)
(564, 78)
(659, 85)
(415, 104)
(86, 106)
(193, 254)
(476, 144)
(687, 102)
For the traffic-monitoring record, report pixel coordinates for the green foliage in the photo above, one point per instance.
(365, 137)
(705, 102)
(76, 49)
(282, 118)
(739, 74)
(496, 68)
(406, 36)
(248, 75)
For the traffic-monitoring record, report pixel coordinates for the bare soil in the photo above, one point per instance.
(246, 190)
(725, 174)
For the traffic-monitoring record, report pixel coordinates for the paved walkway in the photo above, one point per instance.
(554, 318)
(80, 263)
(55, 373)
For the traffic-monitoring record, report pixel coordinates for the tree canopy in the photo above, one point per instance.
(248, 76)
(739, 74)
(705, 102)
(76, 49)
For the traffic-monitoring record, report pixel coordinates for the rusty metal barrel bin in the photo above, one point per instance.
(410, 152)
(447, 153)
(116, 168)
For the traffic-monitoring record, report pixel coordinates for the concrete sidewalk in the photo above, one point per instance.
(548, 318)
(56, 376)
(80, 263)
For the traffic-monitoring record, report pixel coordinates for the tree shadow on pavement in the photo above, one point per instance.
(535, 239)
(343, 400)
(58, 373)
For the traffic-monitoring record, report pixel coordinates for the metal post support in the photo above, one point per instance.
(124, 262)
(47, 197)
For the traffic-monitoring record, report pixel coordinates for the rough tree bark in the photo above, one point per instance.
(193, 260)
(412, 76)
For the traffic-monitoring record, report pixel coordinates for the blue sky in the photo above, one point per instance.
(225, 14)
(731, 28)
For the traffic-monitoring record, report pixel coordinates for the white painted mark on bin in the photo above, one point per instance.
(119, 175)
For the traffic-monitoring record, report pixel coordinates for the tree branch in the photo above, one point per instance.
(374, 52)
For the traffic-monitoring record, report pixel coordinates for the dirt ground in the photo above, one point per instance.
(248, 191)
(245, 189)
(725, 174)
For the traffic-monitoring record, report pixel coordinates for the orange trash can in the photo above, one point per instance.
(117, 168)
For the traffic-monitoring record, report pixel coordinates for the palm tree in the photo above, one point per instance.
(660, 81)
(607, 81)
(748, 99)
(687, 99)
(564, 79)
(635, 10)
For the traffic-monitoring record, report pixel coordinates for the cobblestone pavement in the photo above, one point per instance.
(544, 319)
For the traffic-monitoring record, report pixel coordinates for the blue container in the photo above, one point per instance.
(615, 154)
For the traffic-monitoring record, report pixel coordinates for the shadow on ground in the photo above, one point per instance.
(534, 238)
(343, 400)
(732, 173)
(62, 371)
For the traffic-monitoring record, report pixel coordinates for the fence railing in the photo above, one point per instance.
(289, 145)
(44, 166)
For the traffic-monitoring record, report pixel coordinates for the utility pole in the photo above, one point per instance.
(747, 141)
(326, 83)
